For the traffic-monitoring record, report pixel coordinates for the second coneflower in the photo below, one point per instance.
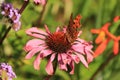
(62, 48)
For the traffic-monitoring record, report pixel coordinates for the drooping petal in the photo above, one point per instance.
(63, 57)
(37, 62)
(32, 44)
(78, 48)
(101, 48)
(45, 53)
(89, 57)
(61, 63)
(88, 48)
(116, 47)
(75, 58)
(35, 32)
(33, 52)
(49, 67)
(72, 67)
(82, 59)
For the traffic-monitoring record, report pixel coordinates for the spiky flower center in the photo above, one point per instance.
(58, 42)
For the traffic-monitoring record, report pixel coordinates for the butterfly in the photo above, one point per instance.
(73, 27)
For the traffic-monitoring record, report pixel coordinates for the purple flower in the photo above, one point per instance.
(12, 14)
(59, 47)
(8, 69)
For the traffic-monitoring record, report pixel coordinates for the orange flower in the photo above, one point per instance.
(116, 42)
(116, 18)
(116, 47)
(104, 36)
(101, 33)
(101, 47)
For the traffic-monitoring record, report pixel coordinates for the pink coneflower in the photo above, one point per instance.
(62, 48)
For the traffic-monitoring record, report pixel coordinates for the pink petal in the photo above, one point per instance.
(47, 30)
(34, 51)
(88, 49)
(37, 62)
(45, 53)
(35, 32)
(89, 57)
(75, 58)
(82, 59)
(58, 29)
(78, 48)
(32, 44)
(61, 63)
(64, 58)
(72, 67)
(49, 67)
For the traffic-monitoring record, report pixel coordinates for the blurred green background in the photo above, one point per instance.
(57, 13)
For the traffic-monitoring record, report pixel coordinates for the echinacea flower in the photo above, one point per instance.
(57, 48)
(6, 72)
(12, 14)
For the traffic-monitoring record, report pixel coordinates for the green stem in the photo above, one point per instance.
(4, 36)
(38, 21)
(23, 6)
(99, 15)
(103, 65)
